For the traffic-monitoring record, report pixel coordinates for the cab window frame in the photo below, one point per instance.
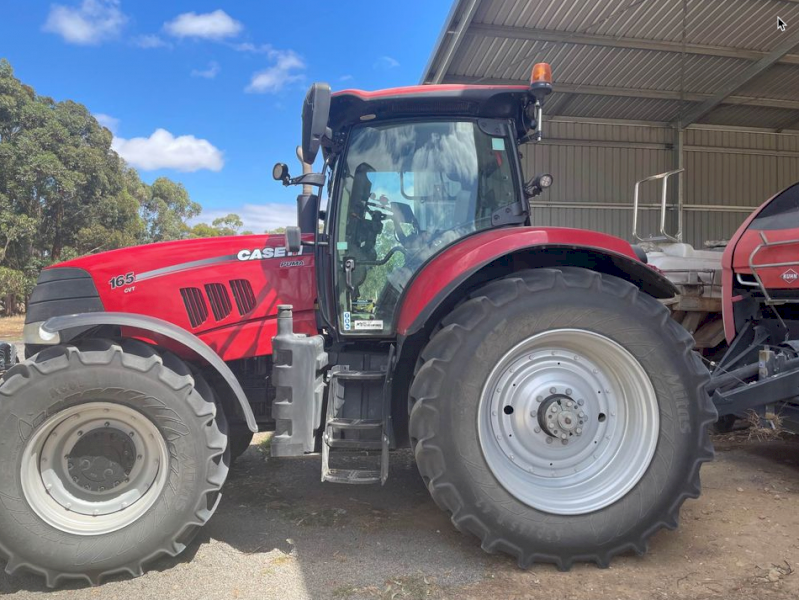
(500, 128)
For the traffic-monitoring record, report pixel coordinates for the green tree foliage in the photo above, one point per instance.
(165, 210)
(228, 225)
(64, 192)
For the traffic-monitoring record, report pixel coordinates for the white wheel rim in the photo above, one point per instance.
(94, 468)
(568, 421)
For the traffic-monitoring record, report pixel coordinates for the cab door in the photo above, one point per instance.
(405, 191)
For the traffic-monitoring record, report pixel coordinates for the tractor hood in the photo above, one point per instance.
(151, 261)
(203, 285)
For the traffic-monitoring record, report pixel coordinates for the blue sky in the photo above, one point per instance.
(209, 93)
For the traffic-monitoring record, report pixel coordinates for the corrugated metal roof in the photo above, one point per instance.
(635, 59)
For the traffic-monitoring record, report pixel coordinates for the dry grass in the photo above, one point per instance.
(766, 429)
(11, 328)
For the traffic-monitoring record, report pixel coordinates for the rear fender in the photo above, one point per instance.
(483, 257)
(70, 327)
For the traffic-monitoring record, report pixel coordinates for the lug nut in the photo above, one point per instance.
(578, 431)
(564, 442)
(554, 408)
(537, 430)
(553, 390)
(568, 391)
(549, 440)
(539, 399)
(581, 402)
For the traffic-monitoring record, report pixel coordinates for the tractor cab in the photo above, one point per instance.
(411, 171)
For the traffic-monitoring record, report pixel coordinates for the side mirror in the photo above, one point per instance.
(293, 239)
(315, 113)
(280, 172)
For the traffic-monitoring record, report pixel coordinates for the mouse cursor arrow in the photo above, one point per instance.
(781, 24)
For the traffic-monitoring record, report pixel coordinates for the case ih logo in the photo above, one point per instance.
(790, 276)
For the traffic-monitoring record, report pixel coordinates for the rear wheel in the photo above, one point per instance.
(116, 455)
(559, 415)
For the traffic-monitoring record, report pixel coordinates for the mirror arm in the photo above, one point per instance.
(315, 179)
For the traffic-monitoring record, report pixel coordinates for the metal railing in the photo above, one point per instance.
(767, 244)
(664, 196)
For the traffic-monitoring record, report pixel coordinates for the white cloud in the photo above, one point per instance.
(345, 78)
(209, 73)
(89, 23)
(215, 25)
(107, 121)
(162, 150)
(150, 41)
(386, 63)
(284, 71)
(256, 217)
(252, 48)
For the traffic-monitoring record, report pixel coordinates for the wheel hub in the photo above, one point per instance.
(568, 421)
(94, 468)
(101, 460)
(560, 417)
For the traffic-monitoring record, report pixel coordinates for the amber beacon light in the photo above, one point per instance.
(542, 73)
(541, 81)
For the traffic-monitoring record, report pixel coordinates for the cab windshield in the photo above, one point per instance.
(407, 191)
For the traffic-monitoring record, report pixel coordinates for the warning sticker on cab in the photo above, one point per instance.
(367, 325)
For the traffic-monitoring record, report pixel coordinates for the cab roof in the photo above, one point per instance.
(490, 101)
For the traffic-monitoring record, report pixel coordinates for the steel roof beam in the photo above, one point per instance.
(786, 44)
(565, 37)
(449, 41)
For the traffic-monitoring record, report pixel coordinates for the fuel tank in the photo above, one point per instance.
(225, 290)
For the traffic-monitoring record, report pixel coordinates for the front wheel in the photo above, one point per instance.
(559, 415)
(113, 454)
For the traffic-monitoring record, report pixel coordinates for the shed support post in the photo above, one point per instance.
(679, 163)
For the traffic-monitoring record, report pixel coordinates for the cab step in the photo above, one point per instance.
(356, 435)
(356, 424)
(354, 476)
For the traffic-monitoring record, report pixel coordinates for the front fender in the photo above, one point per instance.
(516, 248)
(66, 327)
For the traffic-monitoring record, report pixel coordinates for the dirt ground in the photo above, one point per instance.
(280, 533)
(11, 328)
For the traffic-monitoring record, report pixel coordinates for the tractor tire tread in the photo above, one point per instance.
(427, 392)
(189, 386)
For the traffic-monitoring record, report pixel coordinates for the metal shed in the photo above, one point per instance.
(642, 87)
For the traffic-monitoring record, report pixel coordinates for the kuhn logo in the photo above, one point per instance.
(790, 276)
(262, 253)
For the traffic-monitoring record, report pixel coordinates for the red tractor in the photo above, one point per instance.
(759, 373)
(555, 410)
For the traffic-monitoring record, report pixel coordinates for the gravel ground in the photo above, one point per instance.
(280, 533)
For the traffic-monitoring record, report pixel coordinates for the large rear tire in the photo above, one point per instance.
(560, 416)
(113, 455)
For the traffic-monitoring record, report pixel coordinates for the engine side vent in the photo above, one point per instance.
(195, 305)
(219, 299)
(242, 292)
